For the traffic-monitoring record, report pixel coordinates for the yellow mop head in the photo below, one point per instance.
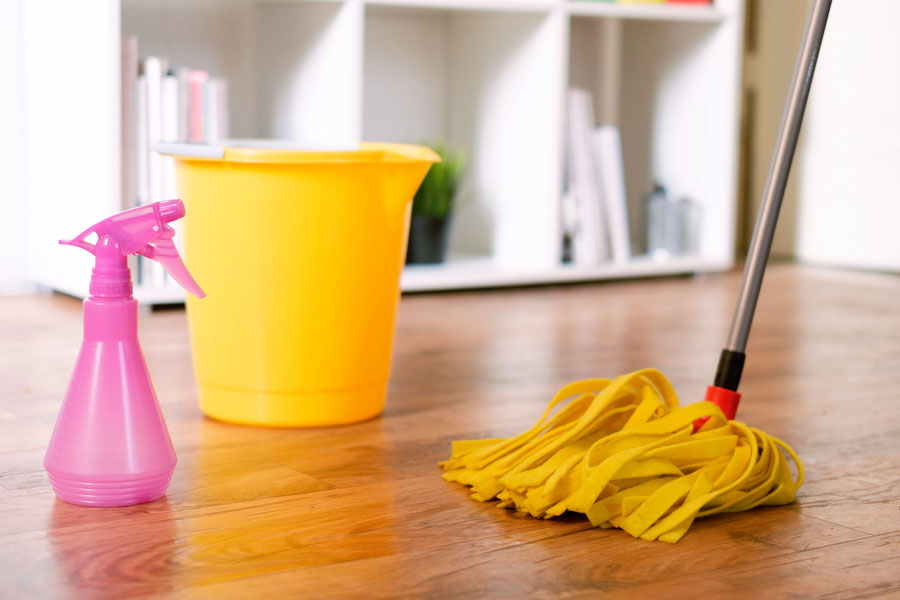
(623, 453)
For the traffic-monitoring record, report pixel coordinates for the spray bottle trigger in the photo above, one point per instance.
(163, 251)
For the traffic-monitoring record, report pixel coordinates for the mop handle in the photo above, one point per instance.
(731, 362)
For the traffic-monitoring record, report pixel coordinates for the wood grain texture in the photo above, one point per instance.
(361, 510)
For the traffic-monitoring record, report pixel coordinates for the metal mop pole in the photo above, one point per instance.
(731, 361)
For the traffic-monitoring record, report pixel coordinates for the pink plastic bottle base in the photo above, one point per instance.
(110, 490)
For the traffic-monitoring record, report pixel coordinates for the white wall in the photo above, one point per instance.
(405, 75)
(72, 119)
(849, 172)
(12, 202)
(309, 58)
(840, 207)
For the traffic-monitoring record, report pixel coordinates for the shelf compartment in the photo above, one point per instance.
(309, 62)
(672, 91)
(489, 84)
(200, 35)
(293, 69)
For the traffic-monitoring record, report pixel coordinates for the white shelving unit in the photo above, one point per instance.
(487, 76)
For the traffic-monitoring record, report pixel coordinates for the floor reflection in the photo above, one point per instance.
(267, 501)
(121, 552)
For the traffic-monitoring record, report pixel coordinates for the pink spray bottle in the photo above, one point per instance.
(110, 446)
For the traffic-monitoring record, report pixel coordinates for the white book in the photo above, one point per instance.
(169, 134)
(130, 130)
(216, 105)
(181, 74)
(169, 109)
(143, 186)
(170, 125)
(154, 70)
(153, 73)
(607, 144)
(223, 128)
(129, 121)
(590, 245)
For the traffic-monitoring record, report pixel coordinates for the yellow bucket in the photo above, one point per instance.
(300, 255)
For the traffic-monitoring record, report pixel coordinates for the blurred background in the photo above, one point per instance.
(587, 140)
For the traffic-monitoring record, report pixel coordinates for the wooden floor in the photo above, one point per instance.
(361, 511)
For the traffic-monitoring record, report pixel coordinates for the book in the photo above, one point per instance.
(182, 75)
(142, 188)
(142, 192)
(607, 147)
(154, 71)
(170, 125)
(170, 119)
(129, 135)
(129, 121)
(223, 129)
(216, 109)
(196, 84)
(590, 238)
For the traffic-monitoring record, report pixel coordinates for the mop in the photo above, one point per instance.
(621, 451)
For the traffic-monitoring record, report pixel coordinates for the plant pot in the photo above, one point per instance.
(428, 238)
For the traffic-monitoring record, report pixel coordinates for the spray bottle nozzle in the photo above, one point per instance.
(171, 210)
(142, 230)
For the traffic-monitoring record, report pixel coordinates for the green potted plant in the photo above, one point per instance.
(433, 208)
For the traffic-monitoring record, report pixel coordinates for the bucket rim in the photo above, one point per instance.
(287, 152)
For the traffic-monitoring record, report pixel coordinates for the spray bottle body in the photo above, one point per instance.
(110, 446)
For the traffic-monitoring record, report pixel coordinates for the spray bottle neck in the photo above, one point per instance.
(111, 277)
